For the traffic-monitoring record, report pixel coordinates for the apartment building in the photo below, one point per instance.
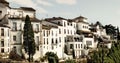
(50, 34)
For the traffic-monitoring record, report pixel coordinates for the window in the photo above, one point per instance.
(89, 42)
(68, 31)
(37, 40)
(59, 31)
(8, 32)
(76, 46)
(2, 50)
(81, 45)
(71, 46)
(64, 24)
(56, 41)
(47, 40)
(64, 31)
(65, 39)
(14, 26)
(71, 31)
(52, 47)
(37, 27)
(47, 33)
(2, 32)
(52, 41)
(44, 32)
(44, 40)
(52, 33)
(83, 26)
(59, 23)
(14, 38)
(67, 23)
(2, 43)
(59, 39)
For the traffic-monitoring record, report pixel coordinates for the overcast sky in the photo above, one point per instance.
(105, 11)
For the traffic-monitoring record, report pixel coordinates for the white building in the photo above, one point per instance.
(83, 29)
(51, 34)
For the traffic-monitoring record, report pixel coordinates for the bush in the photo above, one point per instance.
(14, 56)
(70, 61)
(51, 57)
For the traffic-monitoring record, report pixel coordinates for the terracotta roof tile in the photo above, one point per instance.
(27, 8)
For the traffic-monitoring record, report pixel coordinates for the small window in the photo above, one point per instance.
(52, 41)
(2, 32)
(64, 24)
(76, 46)
(56, 41)
(14, 26)
(2, 50)
(68, 31)
(2, 43)
(52, 33)
(58, 22)
(44, 32)
(64, 31)
(71, 46)
(81, 45)
(47, 41)
(60, 39)
(59, 31)
(14, 38)
(37, 27)
(44, 40)
(8, 32)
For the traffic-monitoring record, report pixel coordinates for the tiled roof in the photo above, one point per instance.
(27, 8)
(2, 25)
(80, 17)
(23, 19)
(46, 27)
(54, 18)
(4, 20)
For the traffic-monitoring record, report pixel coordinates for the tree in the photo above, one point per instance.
(118, 36)
(51, 57)
(110, 30)
(28, 38)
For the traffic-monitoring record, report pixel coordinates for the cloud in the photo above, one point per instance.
(29, 3)
(69, 2)
(43, 2)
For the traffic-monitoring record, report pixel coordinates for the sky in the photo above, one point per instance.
(105, 11)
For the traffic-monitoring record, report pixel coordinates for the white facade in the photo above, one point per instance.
(75, 42)
(4, 40)
(50, 35)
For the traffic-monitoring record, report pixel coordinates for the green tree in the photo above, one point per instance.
(52, 57)
(110, 30)
(28, 37)
(70, 61)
